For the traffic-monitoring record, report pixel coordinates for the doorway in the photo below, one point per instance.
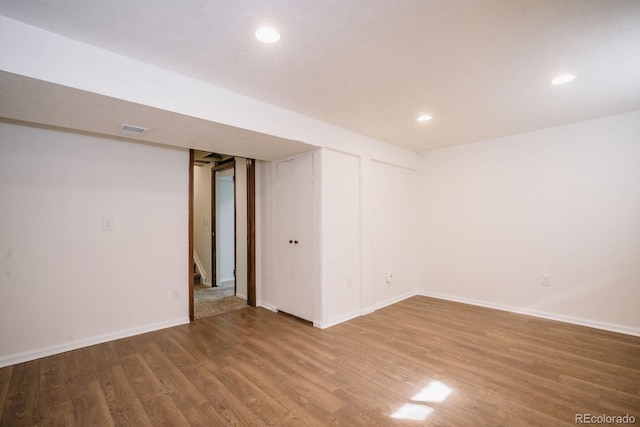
(221, 233)
(223, 224)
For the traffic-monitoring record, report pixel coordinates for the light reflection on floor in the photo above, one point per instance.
(434, 392)
(411, 411)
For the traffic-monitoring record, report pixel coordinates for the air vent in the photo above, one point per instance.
(131, 130)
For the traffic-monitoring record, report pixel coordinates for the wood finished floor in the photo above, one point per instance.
(253, 367)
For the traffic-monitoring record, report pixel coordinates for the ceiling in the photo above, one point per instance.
(481, 68)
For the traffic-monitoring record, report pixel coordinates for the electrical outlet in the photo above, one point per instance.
(107, 224)
(389, 277)
(174, 294)
(546, 280)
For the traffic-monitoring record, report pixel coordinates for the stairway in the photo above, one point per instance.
(197, 278)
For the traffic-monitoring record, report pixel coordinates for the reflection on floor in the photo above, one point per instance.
(208, 301)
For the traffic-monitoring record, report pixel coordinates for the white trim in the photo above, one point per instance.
(611, 327)
(239, 295)
(27, 356)
(366, 311)
(268, 306)
(363, 312)
(337, 320)
(390, 301)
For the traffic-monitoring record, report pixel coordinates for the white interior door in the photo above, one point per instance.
(295, 238)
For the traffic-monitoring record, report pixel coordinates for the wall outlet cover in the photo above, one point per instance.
(546, 280)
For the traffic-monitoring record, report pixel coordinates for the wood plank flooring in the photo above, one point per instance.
(419, 362)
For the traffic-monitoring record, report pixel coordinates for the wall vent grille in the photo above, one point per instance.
(131, 130)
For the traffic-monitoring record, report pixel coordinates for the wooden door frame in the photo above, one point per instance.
(251, 228)
(190, 231)
(251, 232)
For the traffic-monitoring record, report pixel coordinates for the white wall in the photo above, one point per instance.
(88, 68)
(341, 257)
(368, 228)
(395, 231)
(563, 201)
(202, 218)
(65, 282)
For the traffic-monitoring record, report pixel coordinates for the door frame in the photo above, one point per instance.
(190, 234)
(251, 230)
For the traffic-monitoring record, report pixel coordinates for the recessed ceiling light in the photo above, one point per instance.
(267, 35)
(424, 118)
(565, 78)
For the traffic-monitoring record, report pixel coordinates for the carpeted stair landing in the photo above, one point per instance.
(208, 301)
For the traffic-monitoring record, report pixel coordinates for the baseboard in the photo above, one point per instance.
(611, 327)
(363, 312)
(336, 320)
(13, 359)
(241, 296)
(268, 306)
(228, 279)
(519, 310)
(389, 301)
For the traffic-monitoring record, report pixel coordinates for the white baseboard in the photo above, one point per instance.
(519, 310)
(336, 320)
(239, 295)
(268, 306)
(536, 313)
(12, 359)
(390, 301)
(26, 356)
(363, 312)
